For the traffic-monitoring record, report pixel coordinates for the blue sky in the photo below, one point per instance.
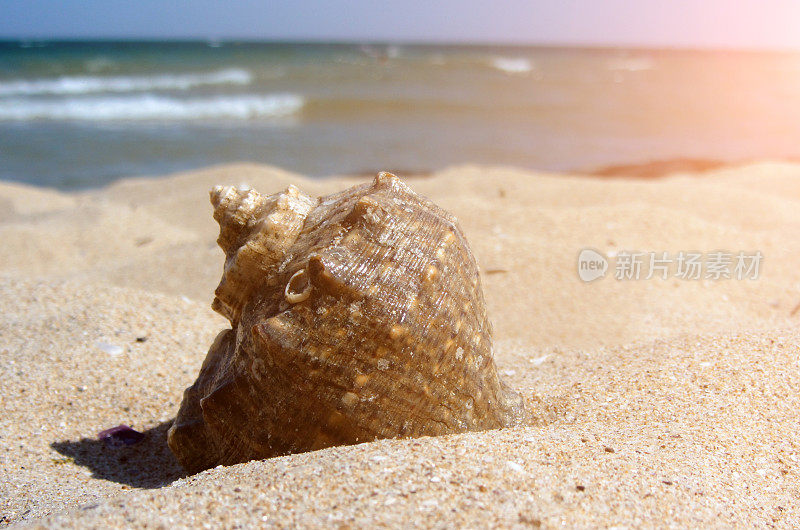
(767, 24)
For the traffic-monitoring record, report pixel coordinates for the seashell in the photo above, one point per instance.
(354, 317)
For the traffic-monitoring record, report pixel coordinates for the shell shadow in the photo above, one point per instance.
(148, 464)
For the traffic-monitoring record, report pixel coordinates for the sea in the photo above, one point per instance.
(77, 115)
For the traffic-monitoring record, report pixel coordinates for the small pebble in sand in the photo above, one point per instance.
(514, 466)
(536, 361)
(111, 349)
(120, 436)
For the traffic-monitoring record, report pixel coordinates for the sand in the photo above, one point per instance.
(657, 402)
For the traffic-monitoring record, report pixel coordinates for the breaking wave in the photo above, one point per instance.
(512, 65)
(72, 85)
(151, 107)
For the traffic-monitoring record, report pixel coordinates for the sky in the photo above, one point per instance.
(748, 24)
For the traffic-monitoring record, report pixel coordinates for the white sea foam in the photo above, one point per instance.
(150, 107)
(512, 65)
(69, 85)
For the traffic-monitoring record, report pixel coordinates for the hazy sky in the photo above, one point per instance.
(681, 23)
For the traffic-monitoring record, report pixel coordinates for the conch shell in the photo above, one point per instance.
(354, 317)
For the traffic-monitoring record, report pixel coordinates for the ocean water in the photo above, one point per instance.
(76, 115)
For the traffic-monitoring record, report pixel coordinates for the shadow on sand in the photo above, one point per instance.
(148, 464)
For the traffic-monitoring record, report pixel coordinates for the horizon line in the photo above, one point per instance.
(400, 42)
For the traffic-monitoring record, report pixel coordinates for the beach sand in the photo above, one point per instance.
(656, 402)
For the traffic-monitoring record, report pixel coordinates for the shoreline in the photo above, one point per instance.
(641, 170)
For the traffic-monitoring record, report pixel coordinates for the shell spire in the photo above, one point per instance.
(354, 317)
(255, 232)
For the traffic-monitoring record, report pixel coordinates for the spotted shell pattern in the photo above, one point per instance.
(354, 317)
